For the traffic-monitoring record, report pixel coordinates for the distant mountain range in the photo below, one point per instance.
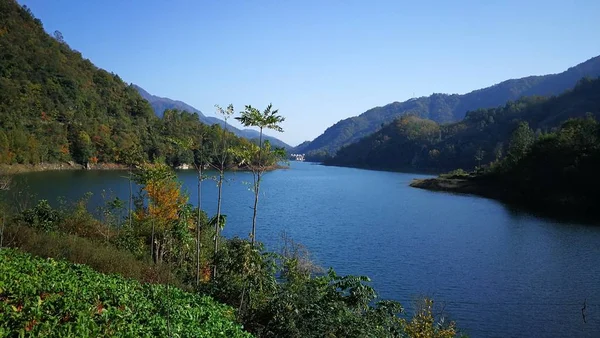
(160, 104)
(444, 108)
(411, 143)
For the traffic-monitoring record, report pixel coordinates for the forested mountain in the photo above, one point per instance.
(56, 106)
(160, 104)
(483, 136)
(444, 108)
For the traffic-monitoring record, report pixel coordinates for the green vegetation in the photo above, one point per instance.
(443, 108)
(160, 104)
(555, 172)
(411, 143)
(56, 106)
(44, 297)
(279, 294)
(258, 159)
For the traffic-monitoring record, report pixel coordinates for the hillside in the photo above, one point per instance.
(57, 107)
(44, 297)
(160, 104)
(412, 143)
(555, 173)
(444, 108)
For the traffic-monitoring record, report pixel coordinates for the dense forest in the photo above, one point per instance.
(444, 108)
(56, 106)
(554, 173)
(414, 144)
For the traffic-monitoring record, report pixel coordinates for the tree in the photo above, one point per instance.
(255, 158)
(59, 36)
(131, 157)
(221, 157)
(83, 148)
(479, 156)
(165, 203)
(198, 145)
(258, 161)
(520, 142)
(5, 181)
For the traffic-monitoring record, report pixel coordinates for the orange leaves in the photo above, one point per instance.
(165, 199)
(205, 273)
(64, 149)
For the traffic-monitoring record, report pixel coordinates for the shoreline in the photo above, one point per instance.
(29, 168)
(513, 199)
(13, 169)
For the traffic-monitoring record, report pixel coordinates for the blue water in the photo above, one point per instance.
(496, 271)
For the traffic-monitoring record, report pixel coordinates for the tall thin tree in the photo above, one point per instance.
(220, 166)
(268, 119)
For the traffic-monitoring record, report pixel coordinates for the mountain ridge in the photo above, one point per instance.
(160, 104)
(444, 108)
(411, 143)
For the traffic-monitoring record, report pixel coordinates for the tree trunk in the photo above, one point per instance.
(2, 231)
(198, 225)
(152, 244)
(256, 193)
(257, 188)
(130, 199)
(218, 220)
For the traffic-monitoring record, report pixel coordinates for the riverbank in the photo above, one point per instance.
(562, 208)
(26, 168)
(460, 185)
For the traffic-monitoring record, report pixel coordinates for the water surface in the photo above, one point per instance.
(496, 271)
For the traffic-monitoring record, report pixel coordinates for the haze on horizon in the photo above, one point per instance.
(319, 62)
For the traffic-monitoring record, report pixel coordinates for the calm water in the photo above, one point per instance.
(497, 272)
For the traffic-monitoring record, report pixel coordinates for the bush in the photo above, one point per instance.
(101, 257)
(42, 216)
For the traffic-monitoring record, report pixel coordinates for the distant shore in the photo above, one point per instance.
(549, 208)
(27, 168)
(459, 185)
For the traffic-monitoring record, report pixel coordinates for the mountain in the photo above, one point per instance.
(412, 143)
(160, 104)
(56, 106)
(444, 108)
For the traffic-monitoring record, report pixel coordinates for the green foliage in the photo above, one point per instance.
(483, 136)
(54, 298)
(520, 142)
(277, 297)
(268, 119)
(558, 171)
(42, 216)
(56, 106)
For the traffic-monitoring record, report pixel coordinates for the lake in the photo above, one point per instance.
(498, 272)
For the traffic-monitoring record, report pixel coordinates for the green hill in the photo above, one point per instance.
(48, 298)
(56, 106)
(412, 143)
(444, 108)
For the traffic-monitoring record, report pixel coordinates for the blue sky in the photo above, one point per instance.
(325, 60)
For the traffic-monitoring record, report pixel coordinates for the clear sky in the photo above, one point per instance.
(324, 60)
